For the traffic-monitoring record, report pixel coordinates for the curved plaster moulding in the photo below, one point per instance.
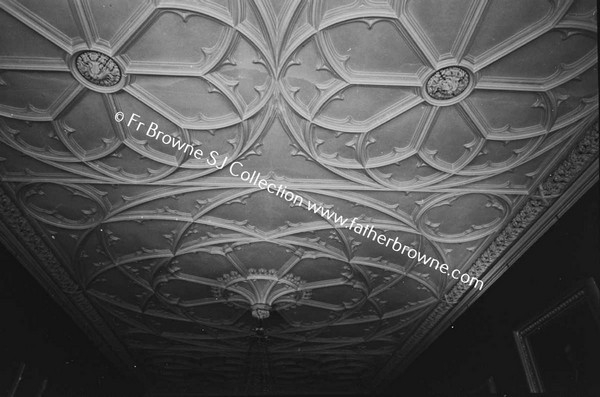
(446, 133)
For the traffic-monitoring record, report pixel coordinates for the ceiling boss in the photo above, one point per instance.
(98, 68)
(448, 83)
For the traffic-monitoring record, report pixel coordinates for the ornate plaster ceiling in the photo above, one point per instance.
(459, 127)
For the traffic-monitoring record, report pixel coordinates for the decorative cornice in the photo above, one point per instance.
(288, 91)
(555, 184)
(42, 263)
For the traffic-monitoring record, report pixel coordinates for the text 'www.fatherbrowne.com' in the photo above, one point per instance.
(253, 178)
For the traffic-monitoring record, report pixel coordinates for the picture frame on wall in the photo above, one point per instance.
(559, 347)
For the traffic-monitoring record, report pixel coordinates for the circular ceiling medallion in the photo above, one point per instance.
(98, 69)
(448, 83)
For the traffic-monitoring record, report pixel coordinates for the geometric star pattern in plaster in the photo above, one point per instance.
(178, 255)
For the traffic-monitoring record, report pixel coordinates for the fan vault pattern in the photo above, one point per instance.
(440, 123)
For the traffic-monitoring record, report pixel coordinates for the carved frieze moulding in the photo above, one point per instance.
(92, 323)
(555, 184)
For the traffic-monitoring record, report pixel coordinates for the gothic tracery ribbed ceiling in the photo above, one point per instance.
(327, 97)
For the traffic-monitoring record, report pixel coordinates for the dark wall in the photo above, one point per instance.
(34, 330)
(480, 343)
